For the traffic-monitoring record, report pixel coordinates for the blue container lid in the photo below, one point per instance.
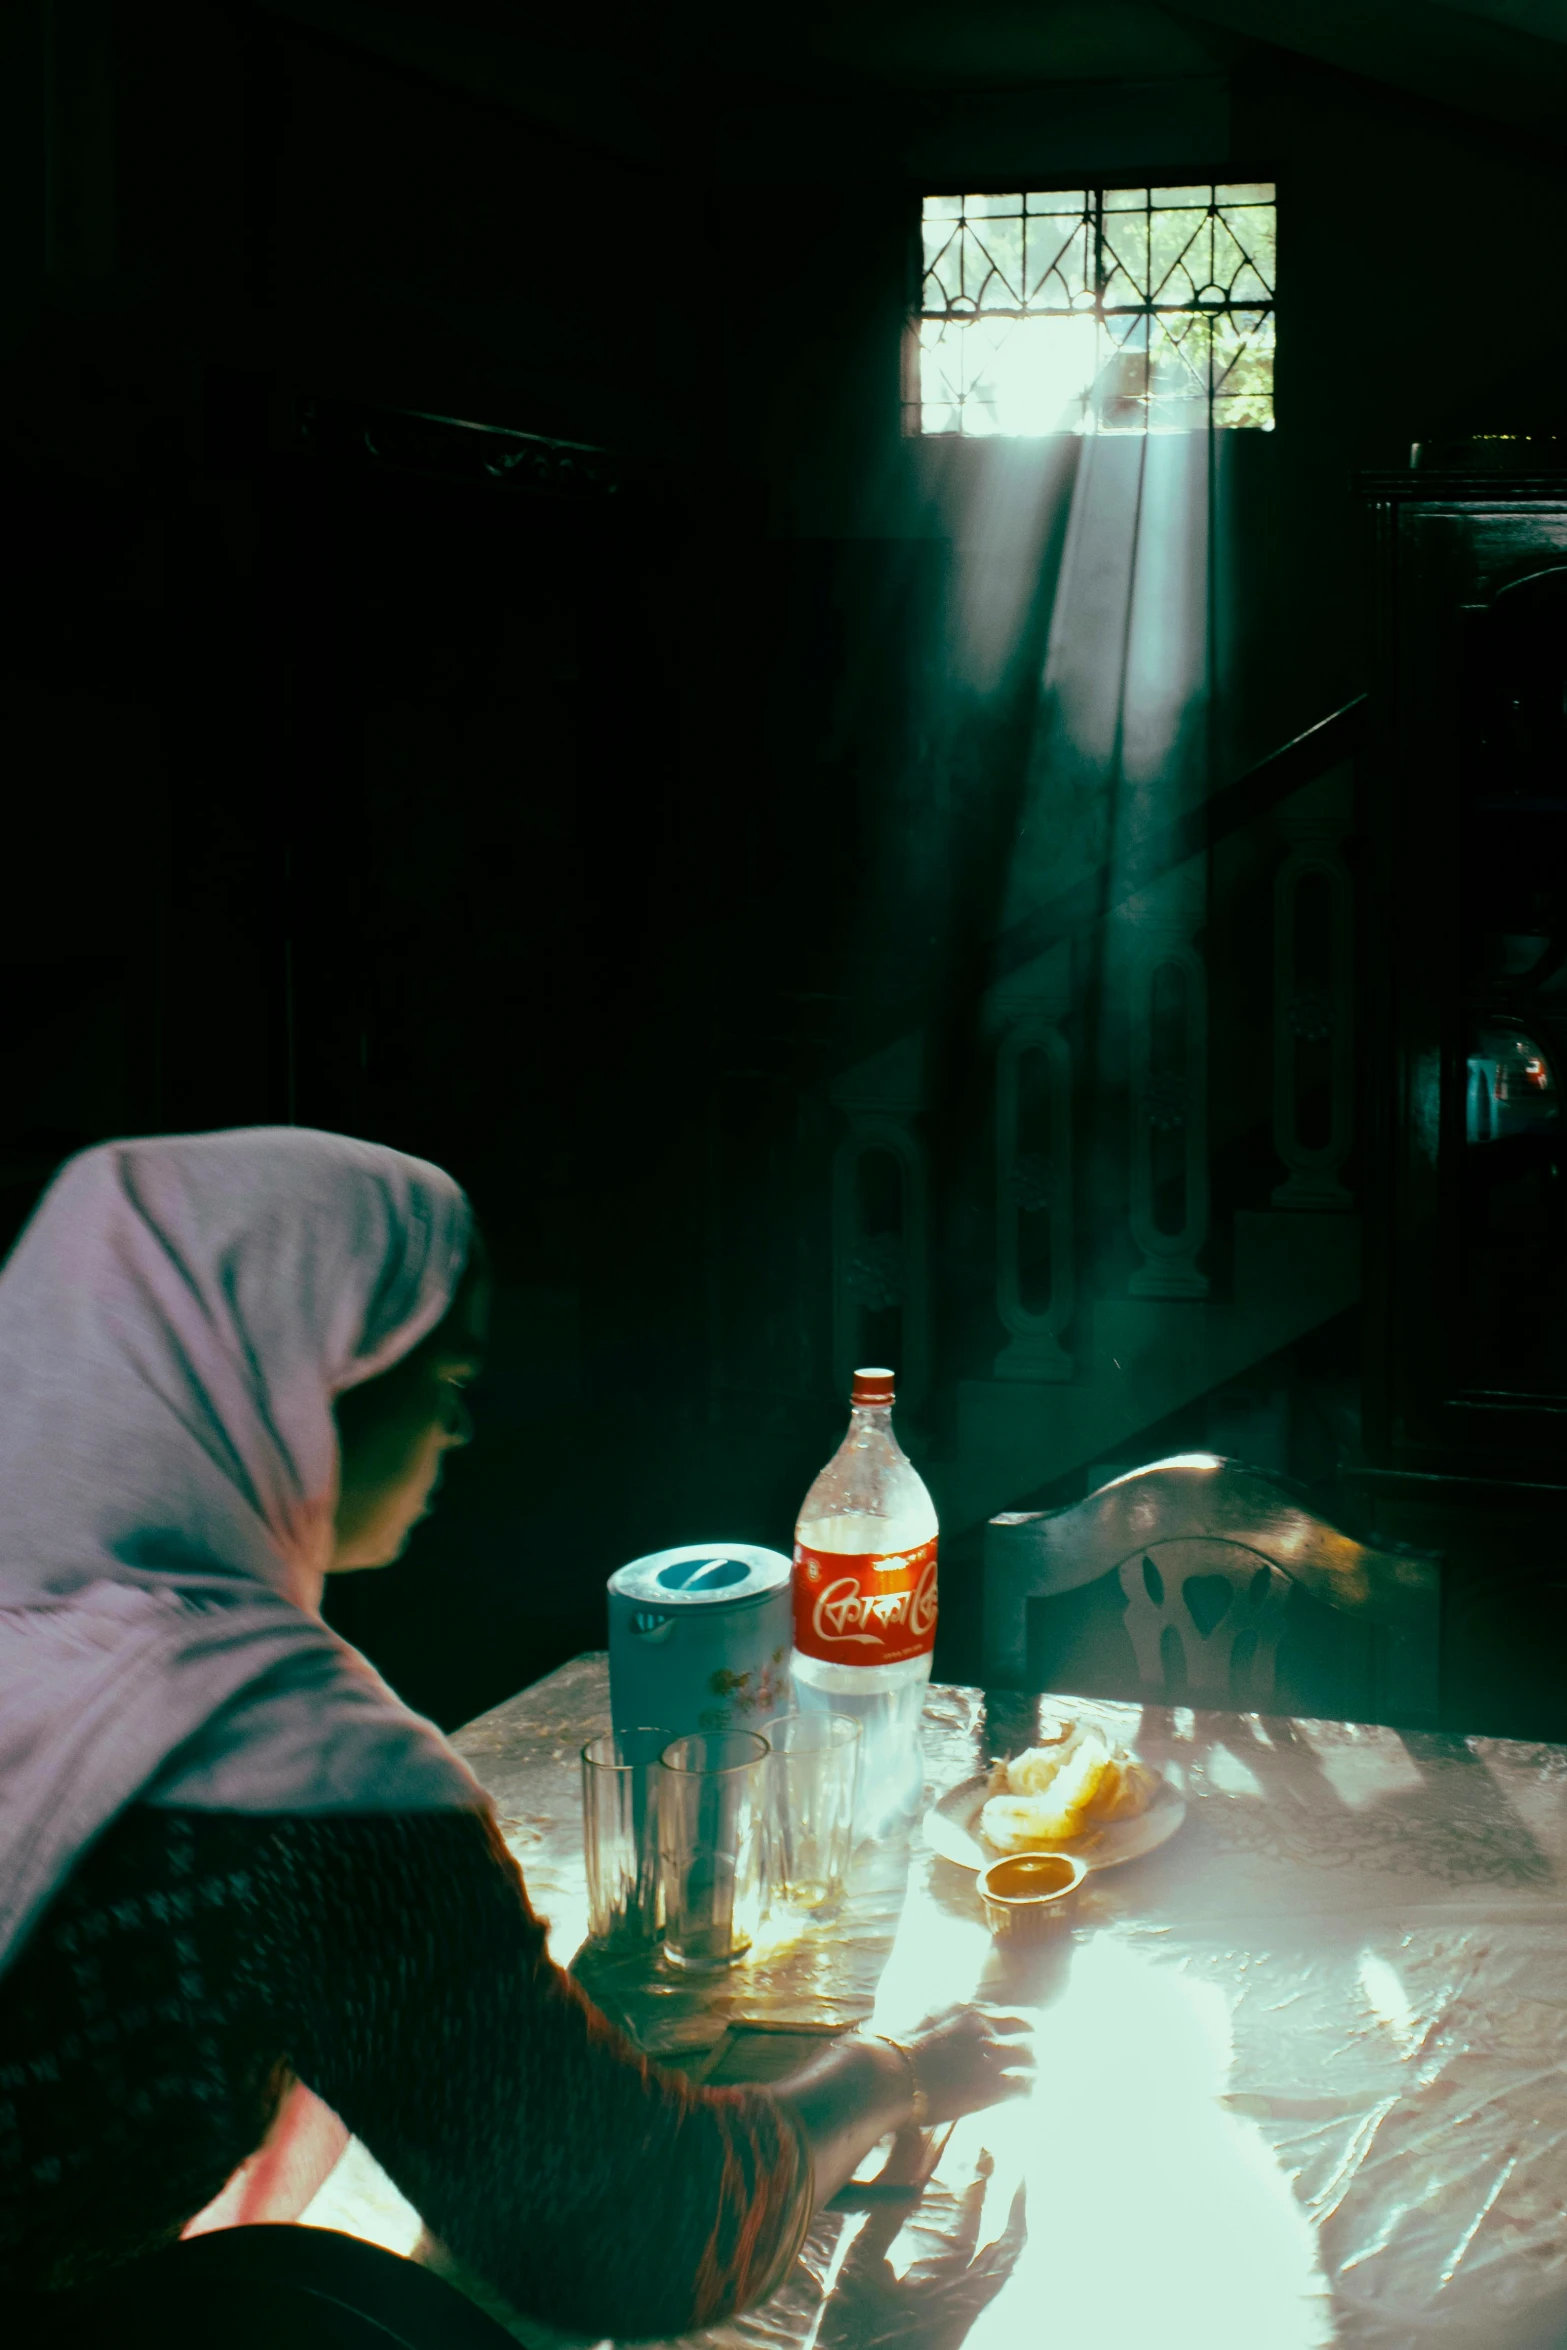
(702, 1573)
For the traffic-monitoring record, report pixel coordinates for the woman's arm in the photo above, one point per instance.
(583, 2184)
(845, 2099)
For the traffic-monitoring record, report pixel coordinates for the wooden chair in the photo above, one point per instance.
(272, 2287)
(1184, 1581)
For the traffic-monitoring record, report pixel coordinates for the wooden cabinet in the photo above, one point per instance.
(1466, 954)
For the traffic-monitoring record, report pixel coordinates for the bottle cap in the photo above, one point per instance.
(871, 1387)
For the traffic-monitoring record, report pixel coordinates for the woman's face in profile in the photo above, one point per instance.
(394, 1432)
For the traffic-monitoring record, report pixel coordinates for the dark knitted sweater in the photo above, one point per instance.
(195, 1961)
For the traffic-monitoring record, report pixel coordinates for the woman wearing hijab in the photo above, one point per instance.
(234, 1869)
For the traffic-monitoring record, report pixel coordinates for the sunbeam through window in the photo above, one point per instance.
(1094, 310)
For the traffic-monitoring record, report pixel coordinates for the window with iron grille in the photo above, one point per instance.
(1096, 310)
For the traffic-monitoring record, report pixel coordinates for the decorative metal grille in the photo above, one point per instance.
(1097, 310)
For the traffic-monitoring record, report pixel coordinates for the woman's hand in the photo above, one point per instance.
(969, 2057)
(859, 2090)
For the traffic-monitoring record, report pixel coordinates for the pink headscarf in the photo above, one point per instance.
(174, 1324)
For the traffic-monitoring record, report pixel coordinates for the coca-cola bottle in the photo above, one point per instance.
(865, 1602)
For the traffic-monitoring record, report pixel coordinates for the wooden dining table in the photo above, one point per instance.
(1302, 2071)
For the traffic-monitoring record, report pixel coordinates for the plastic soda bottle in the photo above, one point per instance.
(865, 1602)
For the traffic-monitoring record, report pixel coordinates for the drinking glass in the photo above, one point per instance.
(712, 1836)
(812, 1780)
(620, 1779)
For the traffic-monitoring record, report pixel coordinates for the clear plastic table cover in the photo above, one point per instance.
(1302, 2073)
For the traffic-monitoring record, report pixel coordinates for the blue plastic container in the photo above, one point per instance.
(699, 1639)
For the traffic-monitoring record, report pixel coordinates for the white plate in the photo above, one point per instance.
(952, 1828)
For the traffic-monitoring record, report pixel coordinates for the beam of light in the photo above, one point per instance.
(1044, 373)
(1363, 1763)
(1228, 1773)
(1155, 2215)
(1121, 741)
(1066, 823)
(1003, 508)
(933, 1944)
(1390, 2002)
(1164, 698)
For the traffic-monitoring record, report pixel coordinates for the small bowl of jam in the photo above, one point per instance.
(1026, 1893)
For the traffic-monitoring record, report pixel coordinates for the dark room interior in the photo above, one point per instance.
(828, 745)
(499, 660)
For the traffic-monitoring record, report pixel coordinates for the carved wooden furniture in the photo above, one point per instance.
(1466, 954)
(1205, 1581)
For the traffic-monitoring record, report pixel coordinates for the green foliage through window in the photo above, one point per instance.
(1097, 310)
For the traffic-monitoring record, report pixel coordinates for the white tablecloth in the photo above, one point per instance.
(1302, 2073)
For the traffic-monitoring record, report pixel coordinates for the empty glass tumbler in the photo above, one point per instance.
(620, 1781)
(813, 1777)
(712, 1842)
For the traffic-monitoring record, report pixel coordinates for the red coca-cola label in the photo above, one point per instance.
(865, 1607)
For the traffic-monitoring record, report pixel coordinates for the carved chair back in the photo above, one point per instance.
(1205, 1615)
(1214, 1564)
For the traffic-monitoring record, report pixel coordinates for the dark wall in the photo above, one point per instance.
(573, 833)
(345, 790)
